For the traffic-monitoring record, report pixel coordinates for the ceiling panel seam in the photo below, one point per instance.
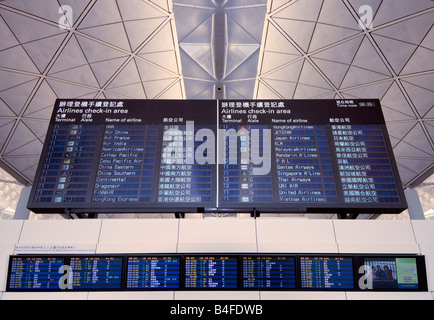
(390, 23)
(134, 55)
(155, 6)
(306, 57)
(262, 51)
(29, 15)
(177, 49)
(11, 170)
(283, 7)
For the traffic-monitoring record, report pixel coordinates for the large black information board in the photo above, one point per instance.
(210, 156)
(125, 156)
(325, 155)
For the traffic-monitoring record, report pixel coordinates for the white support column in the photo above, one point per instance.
(21, 212)
(414, 206)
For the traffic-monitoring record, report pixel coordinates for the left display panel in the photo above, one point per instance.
(32, 273)
(127, 155)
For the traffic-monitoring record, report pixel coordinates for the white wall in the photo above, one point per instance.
(216, 235)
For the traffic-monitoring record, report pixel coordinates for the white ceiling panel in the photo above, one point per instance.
(16, 58)
(374, 90)
(297, 10)
(105, 69)
(395, 99)
(138, 9)
(23, 136)
(16, 97)
(139, 31)
(298, 31)
(41, 51)
(7, 39)
(310, 76)
(44, 98)
(422, 98)
(102, 13)
(422, 60)
(98, 51)
(105, 33)
(392, 10)
(6, 112)
(27, 28)
(326, 34)
(6, 126)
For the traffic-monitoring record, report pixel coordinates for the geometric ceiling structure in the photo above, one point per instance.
(167, 49)
(111, 49)
(219, 44)
(315, 49)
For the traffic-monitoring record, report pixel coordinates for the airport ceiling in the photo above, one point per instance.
(206, 49)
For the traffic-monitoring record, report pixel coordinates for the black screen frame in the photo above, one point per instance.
(318, 111)
(122, 272)
(331, 256)
(216, 255)
(313, 107)
(189, 108)
(28, 256)
(421, 271)
(272, 255)
(175, 255)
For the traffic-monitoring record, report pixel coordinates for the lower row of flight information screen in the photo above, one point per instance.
(215, 272)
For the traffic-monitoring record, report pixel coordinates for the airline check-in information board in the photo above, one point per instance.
(208, 156)
(308, 154)
(125, 156)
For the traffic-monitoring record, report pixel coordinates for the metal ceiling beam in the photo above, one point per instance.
(219, 47)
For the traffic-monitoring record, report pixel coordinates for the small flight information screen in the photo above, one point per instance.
(272, 272)
(153, 272)
(326, 273)
(35, 273)
(89, 273)
(210, 272)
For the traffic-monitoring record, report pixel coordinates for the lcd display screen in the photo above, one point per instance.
(153, 272)
(308, 156)
(326, 273)
(95, 273)
(32, 273)
(211, 272)
(392, 273)
(269, 272)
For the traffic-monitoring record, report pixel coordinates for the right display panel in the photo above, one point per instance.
(389, 273)
(307, 156)
(322, 273)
